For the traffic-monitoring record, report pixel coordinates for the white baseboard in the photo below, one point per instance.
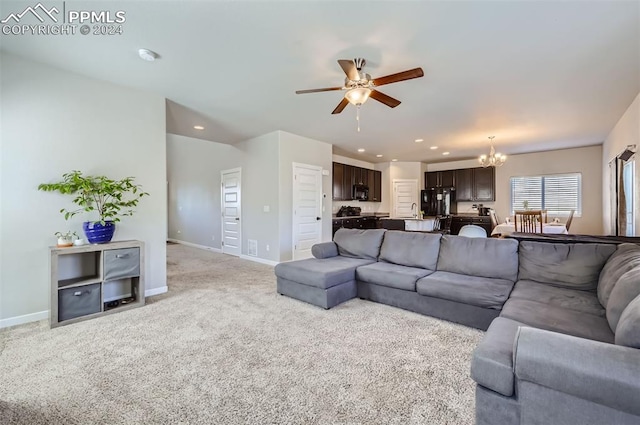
(218, 250)
(155, 291)
(21, 320)
(195, 245)
(259, 260)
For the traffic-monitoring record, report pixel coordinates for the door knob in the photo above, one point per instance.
(237, 218)
(318, 218)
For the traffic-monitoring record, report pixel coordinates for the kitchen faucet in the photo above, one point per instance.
(415, 214)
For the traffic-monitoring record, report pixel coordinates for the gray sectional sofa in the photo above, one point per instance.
(563, 320)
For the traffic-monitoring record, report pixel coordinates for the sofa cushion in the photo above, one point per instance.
(558, 319)
(485, 257)
(321, 273)
(492, 361)
(355, 243)
(475, 290)
(391, 275)
(625, 291)
(628, 330)
(625, 258)
(584, 301)
(575, 266)
(413, 249)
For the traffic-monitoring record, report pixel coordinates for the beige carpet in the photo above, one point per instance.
(222, 347)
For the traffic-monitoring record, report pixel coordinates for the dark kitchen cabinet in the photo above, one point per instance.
(338, 182)
(458, 221)
(436, 179)
(464, 184)
(345, 176)
(484, 182)
(475, 184)
(375, 186)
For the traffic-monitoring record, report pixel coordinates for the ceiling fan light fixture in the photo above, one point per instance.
(358, 95)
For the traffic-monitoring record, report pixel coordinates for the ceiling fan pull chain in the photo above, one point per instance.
(358, 116)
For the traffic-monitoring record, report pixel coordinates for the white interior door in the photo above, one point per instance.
(405, 195)
(231, 212)
(307, 209)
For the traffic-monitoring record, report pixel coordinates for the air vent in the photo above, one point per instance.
(252, 249)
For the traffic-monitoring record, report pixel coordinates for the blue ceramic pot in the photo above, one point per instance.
(98, 233)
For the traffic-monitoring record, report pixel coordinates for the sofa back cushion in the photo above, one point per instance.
(628, 329)
(412, 249)
(626, 257)
(566, 265)
(484, 257)
(355, 243)
(625, 290)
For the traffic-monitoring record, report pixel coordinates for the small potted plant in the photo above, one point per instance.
(65, 239)
(110, 199)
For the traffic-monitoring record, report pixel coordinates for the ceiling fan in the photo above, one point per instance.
(360, 86)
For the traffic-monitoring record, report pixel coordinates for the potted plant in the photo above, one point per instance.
(110, 199)
(65, 239)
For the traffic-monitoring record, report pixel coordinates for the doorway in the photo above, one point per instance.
(231, 211)
(405, 198)
(307, 209)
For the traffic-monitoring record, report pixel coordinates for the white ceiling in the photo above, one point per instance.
(538, 75)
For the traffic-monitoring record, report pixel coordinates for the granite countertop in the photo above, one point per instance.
(474, 215)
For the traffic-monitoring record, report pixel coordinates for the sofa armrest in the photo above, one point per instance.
(602, 373)
(325, 250)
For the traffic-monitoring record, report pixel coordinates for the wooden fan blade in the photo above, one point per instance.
(343, 103)
(400, 76)
(383, 98)
(318, 90)
(350, 69)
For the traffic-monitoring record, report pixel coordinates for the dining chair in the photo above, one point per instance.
(529, 221)
(544, 216)
(472, 231)
(568, 223)
(494, 218)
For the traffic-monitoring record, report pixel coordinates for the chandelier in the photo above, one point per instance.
(494, 159)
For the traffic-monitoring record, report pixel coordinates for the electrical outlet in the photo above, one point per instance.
(213, 238)
(267, 247)
(179, 232)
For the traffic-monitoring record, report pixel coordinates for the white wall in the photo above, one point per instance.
(626, 132)
(260, 187)
(54, 121)
(294, 148)
(193, 173)
(586, 160)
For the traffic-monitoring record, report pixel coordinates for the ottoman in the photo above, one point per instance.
(324, 282)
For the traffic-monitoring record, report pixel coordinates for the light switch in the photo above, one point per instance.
(266, 208)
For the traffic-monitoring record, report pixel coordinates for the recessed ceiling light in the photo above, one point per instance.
(419, 140)
(433, 148)
(446, 153)
(361, 150)
(378, 156)
(147, 55)
(394, 160)
(198, 127)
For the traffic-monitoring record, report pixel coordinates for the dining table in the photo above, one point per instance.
(548, 228)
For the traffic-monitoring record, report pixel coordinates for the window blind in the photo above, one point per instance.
(558, 194)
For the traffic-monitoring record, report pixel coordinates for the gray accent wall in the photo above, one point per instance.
(193, 169)
(55, 121)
